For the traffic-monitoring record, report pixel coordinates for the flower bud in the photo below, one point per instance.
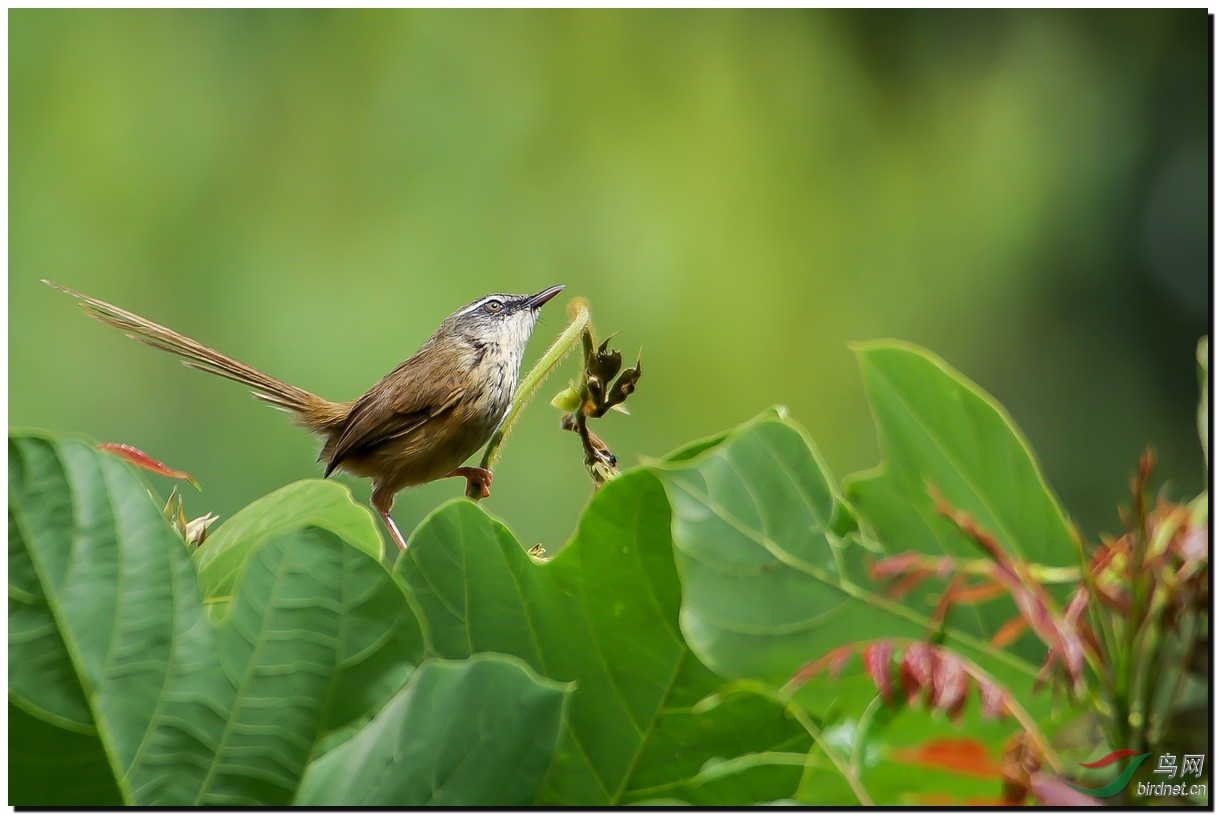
(568, 401)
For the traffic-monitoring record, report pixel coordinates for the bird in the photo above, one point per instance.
(418, 423)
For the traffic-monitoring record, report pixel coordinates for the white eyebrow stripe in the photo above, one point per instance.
(474, 306)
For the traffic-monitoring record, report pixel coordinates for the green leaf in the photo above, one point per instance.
(602, 614)
(111, 654)
(938, 428)
(41, 756)
(769, 585)
(475, 733)
(324, 504)
(107, 635)
(318, 635)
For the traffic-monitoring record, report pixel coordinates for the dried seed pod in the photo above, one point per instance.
(601, 452)
(595, 392)
(604, 363)
(626, 384)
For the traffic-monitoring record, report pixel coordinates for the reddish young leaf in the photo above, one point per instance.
(1077, 604)
(876, 659)
(839, 656)
(1103, 555)
(1009, 632)
(1193, 545)
(979, 593)
(943, 675)
(962, 756)
(1032, 600)
(947, 599)
(901, 563)
(833, 660)
(949, 692)
(901, 588)
(916, 669)
(1053, 792)
(992, 699)
(911, 569)
(139, 458)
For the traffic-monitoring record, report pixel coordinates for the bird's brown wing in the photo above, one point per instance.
(389, 412)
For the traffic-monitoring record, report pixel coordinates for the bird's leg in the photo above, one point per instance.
(475, 475)
(383, 503)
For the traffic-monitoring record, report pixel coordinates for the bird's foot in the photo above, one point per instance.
(477, 480)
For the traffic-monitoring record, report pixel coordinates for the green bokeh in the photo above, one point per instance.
(740, 193)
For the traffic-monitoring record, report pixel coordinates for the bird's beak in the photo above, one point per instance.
(541, 298)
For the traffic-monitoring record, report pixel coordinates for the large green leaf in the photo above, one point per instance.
(318, 635)
(325, 504)
(603, 614)
(107, 635)
(937, 428)
(42, 758)
(771, 584)
(111, 653)
(475, 733)
(768, 584)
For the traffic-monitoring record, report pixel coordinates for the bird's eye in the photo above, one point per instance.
(493, 306)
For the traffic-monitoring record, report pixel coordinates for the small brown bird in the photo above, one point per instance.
(418, 423)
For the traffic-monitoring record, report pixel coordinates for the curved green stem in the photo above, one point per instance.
(528, 386)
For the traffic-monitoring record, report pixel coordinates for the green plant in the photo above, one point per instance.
(690, 642)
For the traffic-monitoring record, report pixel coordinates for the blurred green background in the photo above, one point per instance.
(740, 193)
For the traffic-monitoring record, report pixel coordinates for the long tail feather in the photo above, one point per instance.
(198, 356)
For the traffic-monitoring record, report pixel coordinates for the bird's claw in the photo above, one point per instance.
(478, 477)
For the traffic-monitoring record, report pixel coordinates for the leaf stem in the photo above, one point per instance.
(845, 768)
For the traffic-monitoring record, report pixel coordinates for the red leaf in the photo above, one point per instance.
(1053, 792)
(1193, 545)
(1074, 658)
(834, 659)
(900, 589)
(912, 569)
(1077, 604)
(992, 699)
(947, 599)
(838, 658)
(898, 564)
(916, 669)
(950, 690)
(1032, 607)
(877, 659)
(139, 458)
(962, 756)
(1104, 554)
(980, 593)
(1009, 632)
